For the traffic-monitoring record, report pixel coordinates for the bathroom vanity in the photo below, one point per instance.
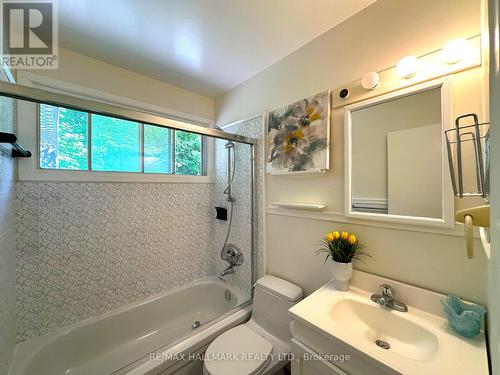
(341, 333)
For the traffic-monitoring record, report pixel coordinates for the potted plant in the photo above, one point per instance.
(342, 248)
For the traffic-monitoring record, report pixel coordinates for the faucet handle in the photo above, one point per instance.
(387, 290)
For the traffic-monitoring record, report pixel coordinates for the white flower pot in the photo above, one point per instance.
(342, 273)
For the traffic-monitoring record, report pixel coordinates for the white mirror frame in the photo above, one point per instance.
(447, 209)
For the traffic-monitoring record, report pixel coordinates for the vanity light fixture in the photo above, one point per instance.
(407, 67)
(455, 50)
(370, 80)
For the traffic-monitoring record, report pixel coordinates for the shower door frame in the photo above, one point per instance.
(40, 96)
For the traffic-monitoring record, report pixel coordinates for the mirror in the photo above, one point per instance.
(396, 161)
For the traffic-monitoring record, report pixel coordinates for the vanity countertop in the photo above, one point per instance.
(420, 340)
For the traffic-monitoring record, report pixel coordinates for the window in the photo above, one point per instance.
(76, 140)
(158, 147)
(116, 145)
(63, 138)
(187, 153)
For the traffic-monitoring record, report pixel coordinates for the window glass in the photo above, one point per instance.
(157, 149)
(63, 138)
(187, 153)
(115, 145)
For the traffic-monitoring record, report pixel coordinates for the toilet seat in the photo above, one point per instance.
(239, 351)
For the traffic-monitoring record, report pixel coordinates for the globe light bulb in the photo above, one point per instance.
(455, 50)
(407, 67)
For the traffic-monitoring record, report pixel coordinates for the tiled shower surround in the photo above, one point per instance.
(240, 233)
(7, 238)
(87, 248)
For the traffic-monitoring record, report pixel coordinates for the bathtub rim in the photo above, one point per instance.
(26, 350)
(190, 343)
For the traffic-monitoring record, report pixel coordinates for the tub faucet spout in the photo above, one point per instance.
(227, 271)
(232, 254)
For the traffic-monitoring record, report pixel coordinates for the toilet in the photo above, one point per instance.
(262, 345)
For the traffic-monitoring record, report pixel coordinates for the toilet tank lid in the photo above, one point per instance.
(280, 288)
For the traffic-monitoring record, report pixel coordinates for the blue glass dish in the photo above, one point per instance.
(465, 319)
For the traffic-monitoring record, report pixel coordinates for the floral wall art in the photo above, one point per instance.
(298, 136)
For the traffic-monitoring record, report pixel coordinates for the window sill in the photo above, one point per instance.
(119, 177)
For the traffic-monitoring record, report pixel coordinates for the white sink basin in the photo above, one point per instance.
(420, 341)
(372, 323)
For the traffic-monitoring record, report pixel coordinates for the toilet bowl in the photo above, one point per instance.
(262, 345)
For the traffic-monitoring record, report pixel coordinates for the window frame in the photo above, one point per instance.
(29, 131)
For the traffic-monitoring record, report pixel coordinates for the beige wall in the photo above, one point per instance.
(86, 71)
(374, 39)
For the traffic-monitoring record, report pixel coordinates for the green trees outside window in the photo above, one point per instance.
(115, 145)
(63, 138)
(187, 153)
(158, 150)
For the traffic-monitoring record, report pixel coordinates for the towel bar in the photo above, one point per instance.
(18, 151)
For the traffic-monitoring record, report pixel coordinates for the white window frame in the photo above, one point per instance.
(29, 169)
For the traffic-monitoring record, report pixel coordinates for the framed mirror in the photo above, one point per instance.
(396, 162)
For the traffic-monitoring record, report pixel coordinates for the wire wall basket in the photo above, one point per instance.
(468, 147)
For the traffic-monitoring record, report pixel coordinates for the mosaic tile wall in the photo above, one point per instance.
(240, 233)
(7, 238)
(87, 248)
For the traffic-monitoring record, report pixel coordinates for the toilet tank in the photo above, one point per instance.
(272, 299)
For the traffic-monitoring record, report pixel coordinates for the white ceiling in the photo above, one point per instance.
(206, 46)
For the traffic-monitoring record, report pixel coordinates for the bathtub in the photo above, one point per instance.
(151, 337)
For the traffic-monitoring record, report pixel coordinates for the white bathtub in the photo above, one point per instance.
(121, 342)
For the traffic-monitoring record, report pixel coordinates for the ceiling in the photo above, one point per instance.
(205, 46)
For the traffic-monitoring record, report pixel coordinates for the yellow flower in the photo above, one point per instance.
(314, 117)
(329, 237)
(352, 239)
(344, 235)
(335, 235)
(292, 140)
(294, 136)
(311, 114)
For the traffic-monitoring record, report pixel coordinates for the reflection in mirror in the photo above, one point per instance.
(396, 151)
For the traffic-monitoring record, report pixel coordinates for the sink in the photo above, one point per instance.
(372, 322)
(381, 340)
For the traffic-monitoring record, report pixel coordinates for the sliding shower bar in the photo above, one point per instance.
(61, 100)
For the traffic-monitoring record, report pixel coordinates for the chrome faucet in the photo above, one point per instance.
(386, 299)
(229, 270)
(233, 255)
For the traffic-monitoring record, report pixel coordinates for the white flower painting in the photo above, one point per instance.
(298, 136)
